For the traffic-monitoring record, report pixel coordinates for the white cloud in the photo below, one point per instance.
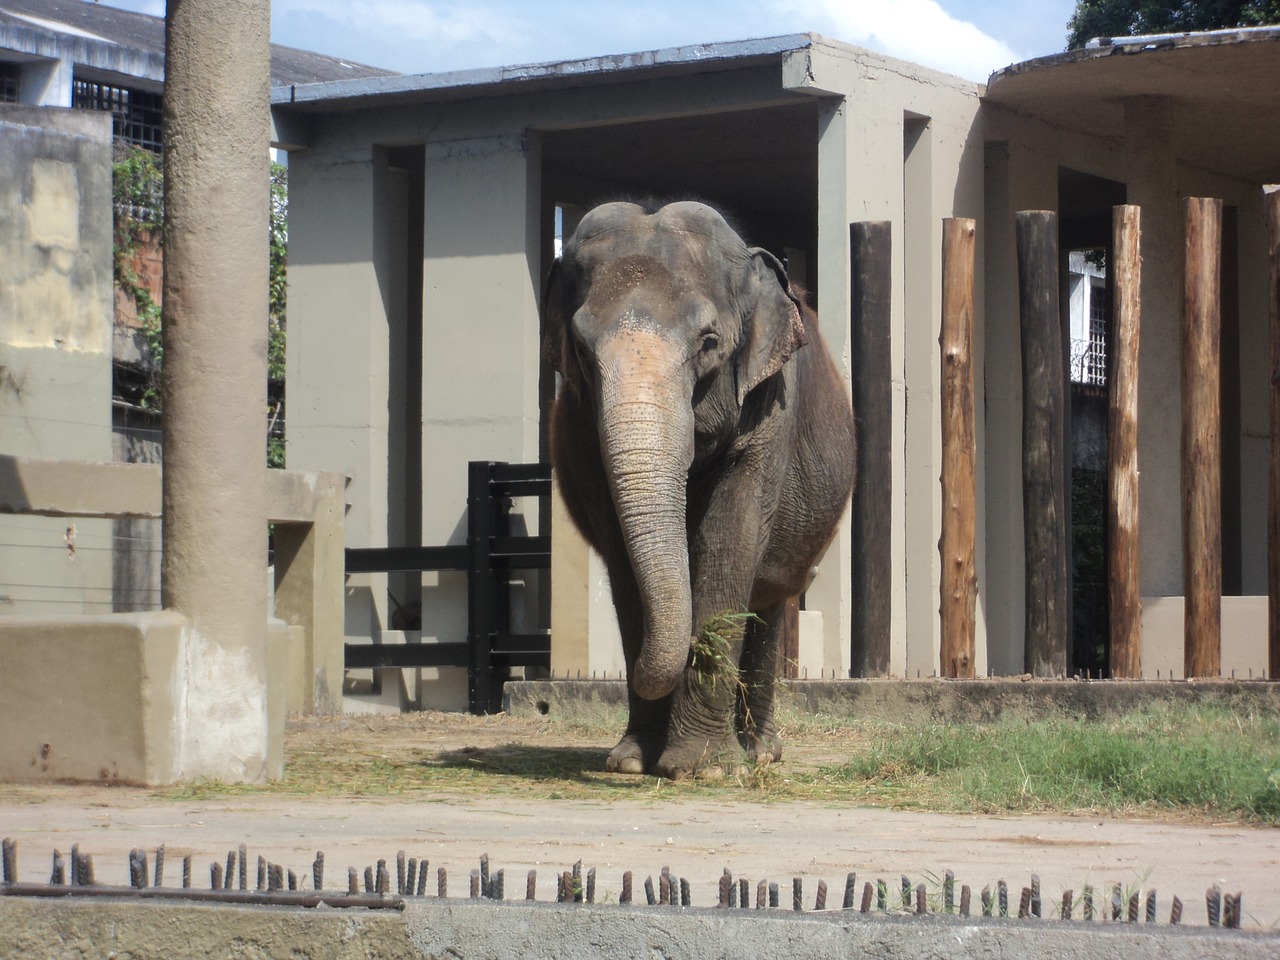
(920, 31)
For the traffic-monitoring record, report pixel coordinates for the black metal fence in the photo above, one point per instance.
(489, 556)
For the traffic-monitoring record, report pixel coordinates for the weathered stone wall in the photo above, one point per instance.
(55, 343)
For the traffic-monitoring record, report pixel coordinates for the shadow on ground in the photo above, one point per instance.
(531, 762)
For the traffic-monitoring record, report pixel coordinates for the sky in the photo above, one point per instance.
(969, 38)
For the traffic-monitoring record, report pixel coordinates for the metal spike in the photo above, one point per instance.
(648, 891)
(402, 871)
(820, 901)
(1087, 898)
(882, 895)
(949, 892)
(497, 886)
(1035, 895)
(1231, 911)
(762, 894)
(86, 871)
(353, 882)
(422, 877)
(1068, 905)
(797, 894)
(384, 878)
(866, 897)
(186, 872)
(1175, 911)
(475, 884)
(1151, 906)
(293, 880)
(1117, 902)
(686, 893)
(988, 902)
(1002, 896)
(58, 876)
(906, 893)
(773, 895)
(1134, 899)
(244, 868)
(744, 893)
(230, 880)
(262, 872)
(664, 886)
(1024, 904)
(317, 871)
(531, 886)
(922, 903)
(625, 896)
(442, 883)
(142, 867)
(368, 880)
(965, 897)
(850, 889)
(215, 876)
(726, 879)
(9, 856)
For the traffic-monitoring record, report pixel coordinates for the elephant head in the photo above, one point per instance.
(662, 323)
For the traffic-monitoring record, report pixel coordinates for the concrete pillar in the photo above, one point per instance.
(214, 383)
(1153, 185)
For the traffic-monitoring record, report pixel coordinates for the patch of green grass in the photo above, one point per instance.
(1207, 761)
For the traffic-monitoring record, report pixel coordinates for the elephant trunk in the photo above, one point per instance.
(646, 433)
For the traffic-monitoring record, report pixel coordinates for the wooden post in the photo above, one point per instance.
(1044, 458)
(959, 452)
(1201, 444)
(870, 251)
(1122, 445)
(1273, 487)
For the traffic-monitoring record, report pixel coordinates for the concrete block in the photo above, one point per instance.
(105, 698)
(91, 697)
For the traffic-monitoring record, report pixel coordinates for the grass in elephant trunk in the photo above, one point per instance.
(1209, 763)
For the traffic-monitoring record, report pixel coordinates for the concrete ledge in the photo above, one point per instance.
(913, 701)
(463, 928)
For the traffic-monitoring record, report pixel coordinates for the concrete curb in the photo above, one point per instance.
(903, 701)
(472, 929)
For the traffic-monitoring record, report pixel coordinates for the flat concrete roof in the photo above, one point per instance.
(500, 81)
(1222, 85)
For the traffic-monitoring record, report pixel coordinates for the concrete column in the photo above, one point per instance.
(215, 308)
(1153, 185)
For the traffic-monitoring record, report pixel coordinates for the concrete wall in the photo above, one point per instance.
(55, 344)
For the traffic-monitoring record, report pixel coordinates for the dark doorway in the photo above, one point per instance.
(1085, 203)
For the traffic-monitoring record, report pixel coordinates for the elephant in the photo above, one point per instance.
(703, 443)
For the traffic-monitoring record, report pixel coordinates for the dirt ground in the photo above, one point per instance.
(641, 827)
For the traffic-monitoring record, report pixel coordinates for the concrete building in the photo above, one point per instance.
(425, 212)
(79, 83)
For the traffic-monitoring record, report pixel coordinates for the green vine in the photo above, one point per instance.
(138, 194)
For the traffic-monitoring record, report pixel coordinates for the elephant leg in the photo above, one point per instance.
(756, 727)
(647, 720)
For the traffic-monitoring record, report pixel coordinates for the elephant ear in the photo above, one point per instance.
(553, 344)
(772, 329)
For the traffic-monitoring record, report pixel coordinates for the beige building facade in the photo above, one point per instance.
(425, 212)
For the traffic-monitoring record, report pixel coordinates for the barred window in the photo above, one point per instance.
(137, 116)
(9, 79)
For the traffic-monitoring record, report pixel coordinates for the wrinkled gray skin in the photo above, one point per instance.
(703, 443)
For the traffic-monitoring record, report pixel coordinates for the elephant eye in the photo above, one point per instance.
(709, 342)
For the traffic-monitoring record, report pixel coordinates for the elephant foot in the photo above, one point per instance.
(629, 755)
(701, 759)
(764, 749)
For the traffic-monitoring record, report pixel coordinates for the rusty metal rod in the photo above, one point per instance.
(284, 898)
